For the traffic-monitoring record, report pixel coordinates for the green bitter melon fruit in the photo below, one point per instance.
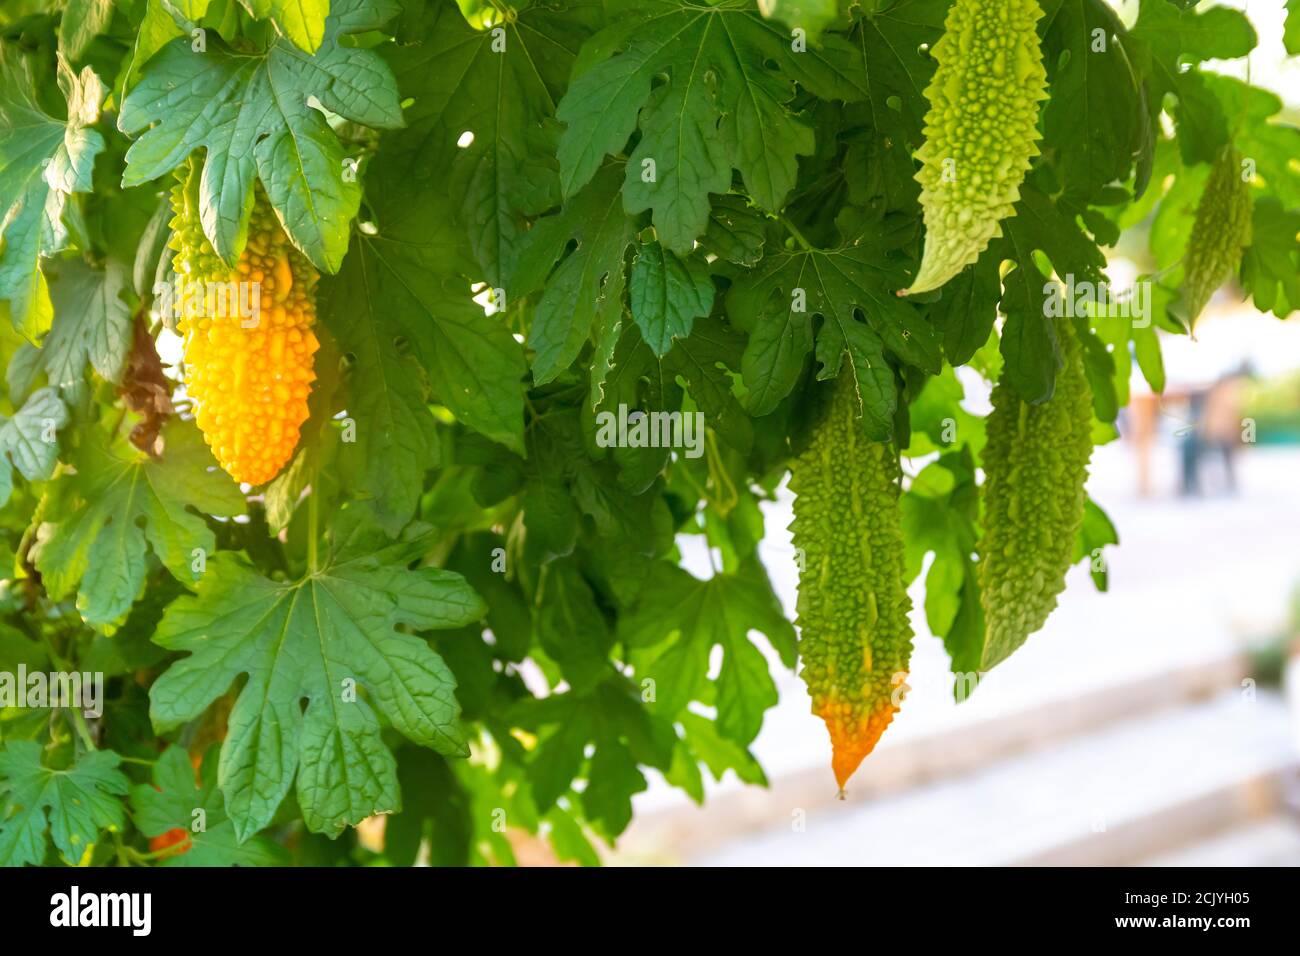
(1035, 465)
(1220, 232)
(855, 637)
(981, 130)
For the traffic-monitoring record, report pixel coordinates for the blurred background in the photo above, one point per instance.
(1156, 724)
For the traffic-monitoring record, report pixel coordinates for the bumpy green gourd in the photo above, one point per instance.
(855, 638)
(1035, 465)
(981, 130)
(1221, 231)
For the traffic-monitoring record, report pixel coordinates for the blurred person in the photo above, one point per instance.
(1206, 376)
(1141, 419)
(1220, 421)
(1192, 442)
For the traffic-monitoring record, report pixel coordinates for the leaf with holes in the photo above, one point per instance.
(321, 655)
(787, 289)
(583, 296)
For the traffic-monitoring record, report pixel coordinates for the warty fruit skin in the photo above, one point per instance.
(981, 131)
(1220, 232)
(248, 375)
(855, 638)
(1035, 466)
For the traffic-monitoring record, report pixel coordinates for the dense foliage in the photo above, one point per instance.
(455, 603)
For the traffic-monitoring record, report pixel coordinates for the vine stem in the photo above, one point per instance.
(795, 233)
(140, 857)
(83, 729)
(313, 525)
(78, 719)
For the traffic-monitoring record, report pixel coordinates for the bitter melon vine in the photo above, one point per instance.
(855, 638)
(1035, 466)
(981, 130)
(248, 336)
(1220, 233)
(455, 597)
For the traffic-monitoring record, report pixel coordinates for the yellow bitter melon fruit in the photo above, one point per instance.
(249, 343)
(1220, 232)
(1035, 465)
(981, 130)
(855, 637)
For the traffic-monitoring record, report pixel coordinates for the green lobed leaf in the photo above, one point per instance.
(570, 626)
(118, 503)
(894, 43)
(603, 735)
(481, 126)
(1170, 38)
(1040, 225)
(339, 629)
(707, 360)
(1097, 532)
(1270, 265)
(939, 515)
(436, 808)
(171, 802)
(163, 21)
(303, 21)
(92, 322)
(720, 108)
(29, 440)
(678, 620)
(82, 21)
(583, 296)
(780, 297)
(413, 334)
(253, 116)
(668, 294)
(43, 160)
(967, 310)
(1097, 118)
(68, 807)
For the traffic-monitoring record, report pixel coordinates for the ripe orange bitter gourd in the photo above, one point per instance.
(176, 840)
(855, 639)
(249, 343)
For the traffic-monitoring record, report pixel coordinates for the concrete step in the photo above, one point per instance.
(1119, 794)
(1274, 841)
